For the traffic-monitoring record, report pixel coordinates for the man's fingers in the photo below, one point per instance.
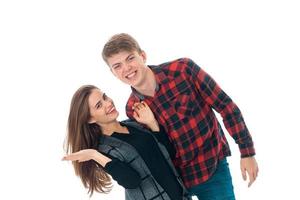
(256, 172)
(244, 174)
(251, 178)
(254, 175)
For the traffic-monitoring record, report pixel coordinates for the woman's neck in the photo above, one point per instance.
(109, 129)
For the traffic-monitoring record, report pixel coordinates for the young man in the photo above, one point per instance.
(182, 96)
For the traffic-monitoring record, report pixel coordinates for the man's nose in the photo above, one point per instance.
(127, 67)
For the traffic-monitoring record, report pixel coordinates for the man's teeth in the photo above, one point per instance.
(131, 75)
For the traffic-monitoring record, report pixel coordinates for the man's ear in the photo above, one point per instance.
(144, 56)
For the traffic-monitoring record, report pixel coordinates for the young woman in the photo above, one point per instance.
(99, 145)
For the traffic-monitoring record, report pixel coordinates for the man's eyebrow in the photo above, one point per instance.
(129, 56)
(115, 64)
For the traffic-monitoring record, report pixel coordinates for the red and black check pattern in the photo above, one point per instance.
(183, 103)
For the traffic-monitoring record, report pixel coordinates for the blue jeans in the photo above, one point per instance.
(217, 187)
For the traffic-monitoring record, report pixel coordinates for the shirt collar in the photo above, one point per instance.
(160, 78)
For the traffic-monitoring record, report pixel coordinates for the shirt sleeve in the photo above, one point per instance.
(121, 172)
(163, 138)
(223, 104)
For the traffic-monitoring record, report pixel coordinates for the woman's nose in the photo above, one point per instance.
(108, 101)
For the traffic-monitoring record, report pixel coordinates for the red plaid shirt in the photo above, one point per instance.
(183, 104)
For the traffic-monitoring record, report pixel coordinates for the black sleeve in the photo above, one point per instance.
(163, 138)
(123, 174)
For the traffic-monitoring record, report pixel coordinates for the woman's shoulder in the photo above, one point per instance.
(132, 123)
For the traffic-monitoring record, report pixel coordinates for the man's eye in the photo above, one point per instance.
(131, 58)
(116, 66)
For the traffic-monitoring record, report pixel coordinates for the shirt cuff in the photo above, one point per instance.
(247, 150)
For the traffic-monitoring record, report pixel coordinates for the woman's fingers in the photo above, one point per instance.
(73, 156)
(138, 105)
(69, 157)
(135, 115)
(144, 104)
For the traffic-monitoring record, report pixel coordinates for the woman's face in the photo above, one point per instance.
(102, 109)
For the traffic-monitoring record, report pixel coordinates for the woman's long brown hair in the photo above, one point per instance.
(82, 135)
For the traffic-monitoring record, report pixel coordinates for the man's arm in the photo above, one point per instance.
(231, 114)
(222, 103)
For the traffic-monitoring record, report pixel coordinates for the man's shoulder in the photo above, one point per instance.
(178, 61)
(174, 67)
(131, 99)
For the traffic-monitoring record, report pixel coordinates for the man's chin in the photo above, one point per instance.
(132, 83)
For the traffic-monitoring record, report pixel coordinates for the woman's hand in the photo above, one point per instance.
(143, 114)
(86, 155)
(81, 156)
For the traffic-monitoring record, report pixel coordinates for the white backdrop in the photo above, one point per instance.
(50, 48)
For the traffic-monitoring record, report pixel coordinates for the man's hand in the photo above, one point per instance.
(249, 166)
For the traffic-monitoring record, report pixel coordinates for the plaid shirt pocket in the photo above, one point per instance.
(183, 105)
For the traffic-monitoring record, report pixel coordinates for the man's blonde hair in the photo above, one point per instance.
(118, 43)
